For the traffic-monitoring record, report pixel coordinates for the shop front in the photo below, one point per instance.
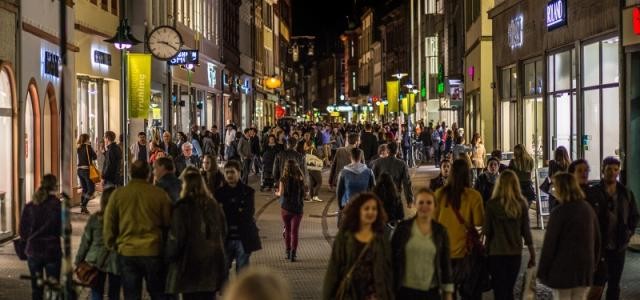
(631, 109)
(9, 205)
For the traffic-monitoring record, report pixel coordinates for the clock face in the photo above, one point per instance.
(164, 42)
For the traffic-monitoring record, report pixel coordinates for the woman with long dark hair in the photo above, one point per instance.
(360, 263)
(86, 156)
(458, 208)
(40, 230)
(506, 225)
(420, 246)
(386, 190)
(93, 251)
(291, 191)
(211, 173)
(559, 163)
(195, 243)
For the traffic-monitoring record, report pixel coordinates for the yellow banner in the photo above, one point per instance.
(381, 108)
(409, 104)
(392, 95)
(139, 79)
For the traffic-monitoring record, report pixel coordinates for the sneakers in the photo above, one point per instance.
(308, 200)
(315, 198)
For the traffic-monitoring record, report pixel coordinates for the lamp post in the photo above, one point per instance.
(123, 40)
(399, 76)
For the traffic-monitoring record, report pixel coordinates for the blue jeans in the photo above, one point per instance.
(136, 268)
(88, 187)
(36, 267)
(97, 292)
(235, 250)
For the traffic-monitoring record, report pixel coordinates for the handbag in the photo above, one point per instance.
(472, 274)
(94, 175)
(344, 284)
(546, 186)
(87, 274)
(20, 246)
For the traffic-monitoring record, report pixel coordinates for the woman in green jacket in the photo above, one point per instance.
(360, 263)
(93, 251)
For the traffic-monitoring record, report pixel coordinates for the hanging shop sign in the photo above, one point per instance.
(101, 58)
(51, 64)
(556, 14)
(185, 57)
(636, 20)
(514, 32)
(139, 78)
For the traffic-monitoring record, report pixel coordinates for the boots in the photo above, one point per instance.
(288, 254)
(293, 256)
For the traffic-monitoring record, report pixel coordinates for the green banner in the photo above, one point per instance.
(139, 79)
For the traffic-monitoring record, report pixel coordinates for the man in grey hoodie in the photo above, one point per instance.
(354, 179)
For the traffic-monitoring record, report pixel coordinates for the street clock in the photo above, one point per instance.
(164, 42)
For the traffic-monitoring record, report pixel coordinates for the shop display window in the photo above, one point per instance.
(6, 149)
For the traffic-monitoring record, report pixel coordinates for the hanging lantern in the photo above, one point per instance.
(273, 82)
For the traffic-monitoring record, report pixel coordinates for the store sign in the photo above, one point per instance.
(185, 57)
(101, 58)
(139, 78)
(51, 64)
(211, 74)
(556, 14)
(636, 20)
(514, 32)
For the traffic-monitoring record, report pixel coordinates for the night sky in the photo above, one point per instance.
(325, 19)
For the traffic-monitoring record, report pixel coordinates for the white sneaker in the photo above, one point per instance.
(308, 200)
(315, 198)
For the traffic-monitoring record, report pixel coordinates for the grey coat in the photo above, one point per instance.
(571, 247)
(93, 250)
(399, 171)
(340, 160)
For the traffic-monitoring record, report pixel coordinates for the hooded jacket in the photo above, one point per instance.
(355, 178)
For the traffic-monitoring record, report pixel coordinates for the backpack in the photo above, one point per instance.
(435, 137)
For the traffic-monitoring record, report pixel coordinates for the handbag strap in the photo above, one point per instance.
(89, 161)
(459, 217)
(347, 277)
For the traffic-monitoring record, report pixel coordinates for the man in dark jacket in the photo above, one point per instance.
(286, 155)
(217, 140)
(186, 159)
(238, 202)
(166, 179)
(617, 213)
(368, 142)
(398, 169)
(168, 146)
(111, 169)
(255, 150)
(244, 149)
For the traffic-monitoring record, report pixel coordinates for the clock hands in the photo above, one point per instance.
(170, 45)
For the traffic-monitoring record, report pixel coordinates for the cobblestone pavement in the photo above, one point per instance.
(317, 230)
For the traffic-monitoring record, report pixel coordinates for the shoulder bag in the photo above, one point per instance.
(94, 175)
(346, 281)
(472, 274)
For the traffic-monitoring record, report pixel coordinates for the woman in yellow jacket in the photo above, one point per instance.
(457, 197)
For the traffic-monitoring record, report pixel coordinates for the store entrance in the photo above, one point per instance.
(7, 193)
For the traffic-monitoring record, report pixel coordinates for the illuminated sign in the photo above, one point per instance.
(514, 32)
(101, 58)
(211, 74)
(636, 20)
(556, 14)
(51, 64)
(185, 57)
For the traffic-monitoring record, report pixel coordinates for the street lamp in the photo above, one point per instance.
(123, 40)
(273, 82)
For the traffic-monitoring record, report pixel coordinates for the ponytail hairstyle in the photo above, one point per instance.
(49, 184)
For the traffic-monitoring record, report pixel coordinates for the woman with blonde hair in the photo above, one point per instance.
(195, 243)
(257, 283)
(478, 153)
(522, 165)
(506, 224)
(571, 246)
(86, 156)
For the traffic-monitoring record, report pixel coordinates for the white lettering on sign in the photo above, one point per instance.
(514, 32)
(556, 14)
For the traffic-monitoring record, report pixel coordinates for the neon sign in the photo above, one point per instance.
(636, 20)
(185, 57)
(556, 14)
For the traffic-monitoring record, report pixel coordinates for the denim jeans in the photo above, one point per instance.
(36, 267)
(291, 228)
(88, 187)
(97, 292)
(136, 268)
(315, 180)
(235, 250)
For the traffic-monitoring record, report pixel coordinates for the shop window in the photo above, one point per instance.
(104, 4)
(114, 7)
(563, 71)
(610, 122)
(610, 60)
(591, 64)
(6, 149)
(591, 137)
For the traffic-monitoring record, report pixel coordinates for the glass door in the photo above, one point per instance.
(533, 129)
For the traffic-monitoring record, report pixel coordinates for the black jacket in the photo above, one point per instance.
(112, 166)
(239, 207)
(399, 241)
(281, 160)
(172, 149)
(255, 145)
(399, 171)
(170, 184)
(213, 180)
(627, 213)
(436, 183)
(369, 145)
(83, 159)
(181, 163)
(484, 186)
(269, 157)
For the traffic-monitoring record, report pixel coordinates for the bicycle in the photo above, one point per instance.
(418, 153)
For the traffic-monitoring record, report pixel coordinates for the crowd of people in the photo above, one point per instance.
(184, 219)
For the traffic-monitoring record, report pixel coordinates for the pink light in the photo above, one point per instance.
(472, 72)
